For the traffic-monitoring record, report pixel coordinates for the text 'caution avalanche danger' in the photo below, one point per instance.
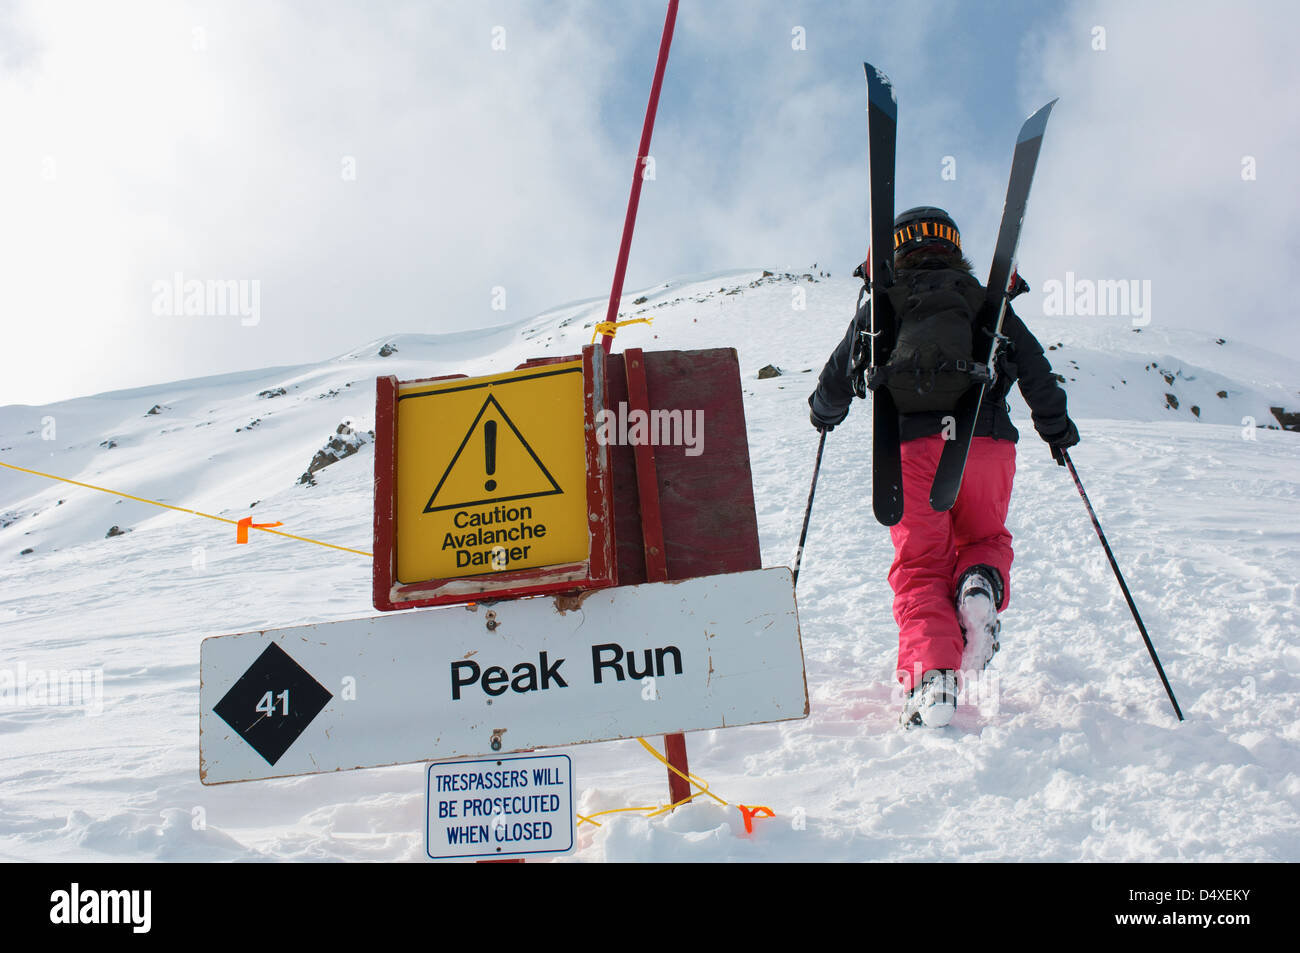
(491, 474)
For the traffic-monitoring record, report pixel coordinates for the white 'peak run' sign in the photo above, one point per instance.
(437, 684)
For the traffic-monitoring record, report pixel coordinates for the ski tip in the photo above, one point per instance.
(888, 516)
(940, 503)
(1036, 124)
(880, 91)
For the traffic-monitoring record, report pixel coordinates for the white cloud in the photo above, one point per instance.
(211, 141)
(1142, 175)
(477, 168)
(208, 140)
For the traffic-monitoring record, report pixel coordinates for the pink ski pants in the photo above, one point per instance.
(932, 550)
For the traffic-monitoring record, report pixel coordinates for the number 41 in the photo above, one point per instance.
(267, 705)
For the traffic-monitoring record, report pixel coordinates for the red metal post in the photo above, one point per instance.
(629, 223)
(647, 480)
(652, 535)
(384, 569)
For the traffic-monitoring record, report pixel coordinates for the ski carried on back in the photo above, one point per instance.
(1002, 280)
(882, 127)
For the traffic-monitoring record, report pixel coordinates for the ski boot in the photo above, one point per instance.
(979, 592)
(933, 702)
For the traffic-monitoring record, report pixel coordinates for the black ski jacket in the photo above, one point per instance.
(1020, 359)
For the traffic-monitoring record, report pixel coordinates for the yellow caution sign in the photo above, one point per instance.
(491, 473)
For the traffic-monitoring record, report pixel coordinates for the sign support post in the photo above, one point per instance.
(652, 535)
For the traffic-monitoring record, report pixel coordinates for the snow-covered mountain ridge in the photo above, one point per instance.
(279, 418)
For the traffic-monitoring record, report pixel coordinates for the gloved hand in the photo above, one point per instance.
(823, 425)
(863, 271)
(1063, 441)
(820, 423)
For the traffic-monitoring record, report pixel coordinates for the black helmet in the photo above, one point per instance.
(924, 226)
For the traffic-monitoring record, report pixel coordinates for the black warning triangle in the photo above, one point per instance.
(499, 466)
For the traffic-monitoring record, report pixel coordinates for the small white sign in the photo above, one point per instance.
(501, 678)
(500, 807)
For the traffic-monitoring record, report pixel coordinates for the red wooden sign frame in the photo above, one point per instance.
(598, 571)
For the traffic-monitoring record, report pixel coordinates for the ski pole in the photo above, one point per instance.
(1063, 459)
(807, 513)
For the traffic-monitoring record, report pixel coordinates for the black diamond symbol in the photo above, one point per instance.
(272, 703)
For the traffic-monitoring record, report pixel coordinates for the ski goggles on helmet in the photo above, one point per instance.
(920, 233)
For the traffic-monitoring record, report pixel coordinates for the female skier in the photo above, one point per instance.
(951, 570)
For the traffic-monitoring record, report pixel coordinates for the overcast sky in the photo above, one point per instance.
(380, 168)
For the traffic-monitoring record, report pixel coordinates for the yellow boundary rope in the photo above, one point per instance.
(698, 782)
(656, 810)
(180, 509)
(613, 810)
(610, 327)
(653, 811)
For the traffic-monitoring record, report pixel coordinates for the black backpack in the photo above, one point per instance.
(933, 362)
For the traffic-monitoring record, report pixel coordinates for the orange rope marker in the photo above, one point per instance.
(749, 813)
(241, 528)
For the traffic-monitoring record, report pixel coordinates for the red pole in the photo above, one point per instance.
(629, 223)
(674, 745)
(656, 558)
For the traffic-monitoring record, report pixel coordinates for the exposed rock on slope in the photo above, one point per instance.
(344, 443)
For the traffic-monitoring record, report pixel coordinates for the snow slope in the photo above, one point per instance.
(1077, 756)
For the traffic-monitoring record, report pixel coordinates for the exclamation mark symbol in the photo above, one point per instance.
(490, 452)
